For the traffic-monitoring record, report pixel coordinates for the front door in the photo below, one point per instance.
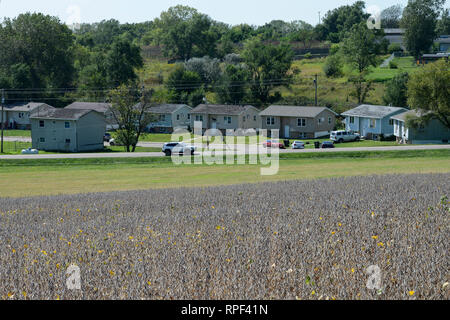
(287, 131)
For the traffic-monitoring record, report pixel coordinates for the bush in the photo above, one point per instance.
(334, 49)
(333, 66)
(394, 47)
(393, 65)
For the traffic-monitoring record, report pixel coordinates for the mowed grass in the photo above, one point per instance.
(24, 181)
(17, 133)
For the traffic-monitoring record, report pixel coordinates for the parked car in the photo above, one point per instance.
(178, 147)
(273, 144)
(327, 144)
(298, 145)
(107, 137)
(344, 136)
(30, 151)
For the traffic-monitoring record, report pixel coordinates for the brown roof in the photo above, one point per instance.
(293, 111)
(223, 109)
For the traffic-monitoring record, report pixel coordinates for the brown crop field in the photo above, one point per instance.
(309, 239)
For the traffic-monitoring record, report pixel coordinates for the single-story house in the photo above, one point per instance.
(17, 116)
(168, 117)
(226, 117)
(432, 132)
(102, 107)
(371, 121)
(299, 122)
(68, 130)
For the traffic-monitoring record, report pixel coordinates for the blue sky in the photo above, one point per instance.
(255, 12)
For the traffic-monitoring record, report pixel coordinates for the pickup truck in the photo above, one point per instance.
(344, 136)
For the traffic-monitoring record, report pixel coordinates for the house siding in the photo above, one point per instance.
(362, 125)
(90, 130)
(433, 132)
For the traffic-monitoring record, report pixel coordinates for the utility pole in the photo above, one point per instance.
(319, 17)
(315, 85)
(3, 109)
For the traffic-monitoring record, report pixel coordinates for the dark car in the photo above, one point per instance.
(107, 137)
(327, 144)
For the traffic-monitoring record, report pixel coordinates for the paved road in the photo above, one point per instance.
(251, 150)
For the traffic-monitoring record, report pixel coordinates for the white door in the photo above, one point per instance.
(287, 131)
(214, 125)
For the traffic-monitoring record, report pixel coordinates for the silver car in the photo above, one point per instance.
(298, 145)
(178, 148)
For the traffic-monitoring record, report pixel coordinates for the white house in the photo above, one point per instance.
(168, 117)
(371, 120)
(17, 116)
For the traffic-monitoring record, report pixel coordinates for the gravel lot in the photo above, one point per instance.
(284, 240)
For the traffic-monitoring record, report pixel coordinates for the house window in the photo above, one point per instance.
(227, 120)
(352, 120)
(67, 140)
(67, 124)
(189, 116)
(329, 120)
(198, 118)
(42, 140)
(301, 122)
(270, 121)
(372, 123)
(41, 123)
(320, 120)
(21, 114)
(162, 117)
(391, 122)
(254, 118)
(178, 117)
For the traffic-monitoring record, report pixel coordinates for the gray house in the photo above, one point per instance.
(68, 130)
(17, 116)
(169, 117)
(433, 132)
(371, 121)
(226, 117)
(299, 122)
(102, 107)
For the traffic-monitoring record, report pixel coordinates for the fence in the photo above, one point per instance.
(15, 146)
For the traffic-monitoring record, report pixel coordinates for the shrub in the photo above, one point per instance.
(393, 65)
(394, 47)
(333, 66)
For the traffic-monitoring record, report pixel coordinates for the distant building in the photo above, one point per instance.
(395, 36)
(431, 57)
(299, 122)
(225, 117)
(371, 120)
(432, 132)
(444, 43)
(17, 116)
(169, 117)
(102, 107)
(68, 130)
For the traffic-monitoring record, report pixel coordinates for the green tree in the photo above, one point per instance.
(130, 108)
(396, 91)
(268, 66)
(443, 25)
(429, 92)
(184, 32)
(36, 50)
(232, 88)
(420, 20)
(391, 16)
(181, 83)
(359, 50)
(121, 62)
(339, 21)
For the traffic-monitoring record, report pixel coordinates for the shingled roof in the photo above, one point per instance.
(371, 111)
(62, 114)
(222, 109)
(101, 107)
(294, 111)
(166, 108)
(25, 107)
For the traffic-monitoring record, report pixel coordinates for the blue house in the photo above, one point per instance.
(371, 121)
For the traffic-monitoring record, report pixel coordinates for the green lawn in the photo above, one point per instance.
(17, 133)
(405, 64)
(160, 173)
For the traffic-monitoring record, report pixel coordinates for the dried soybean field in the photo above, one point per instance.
(309, 239)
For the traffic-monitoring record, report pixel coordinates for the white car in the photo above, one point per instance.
(298, 145)
(30, 151)
(178, 147)
(344, 136)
